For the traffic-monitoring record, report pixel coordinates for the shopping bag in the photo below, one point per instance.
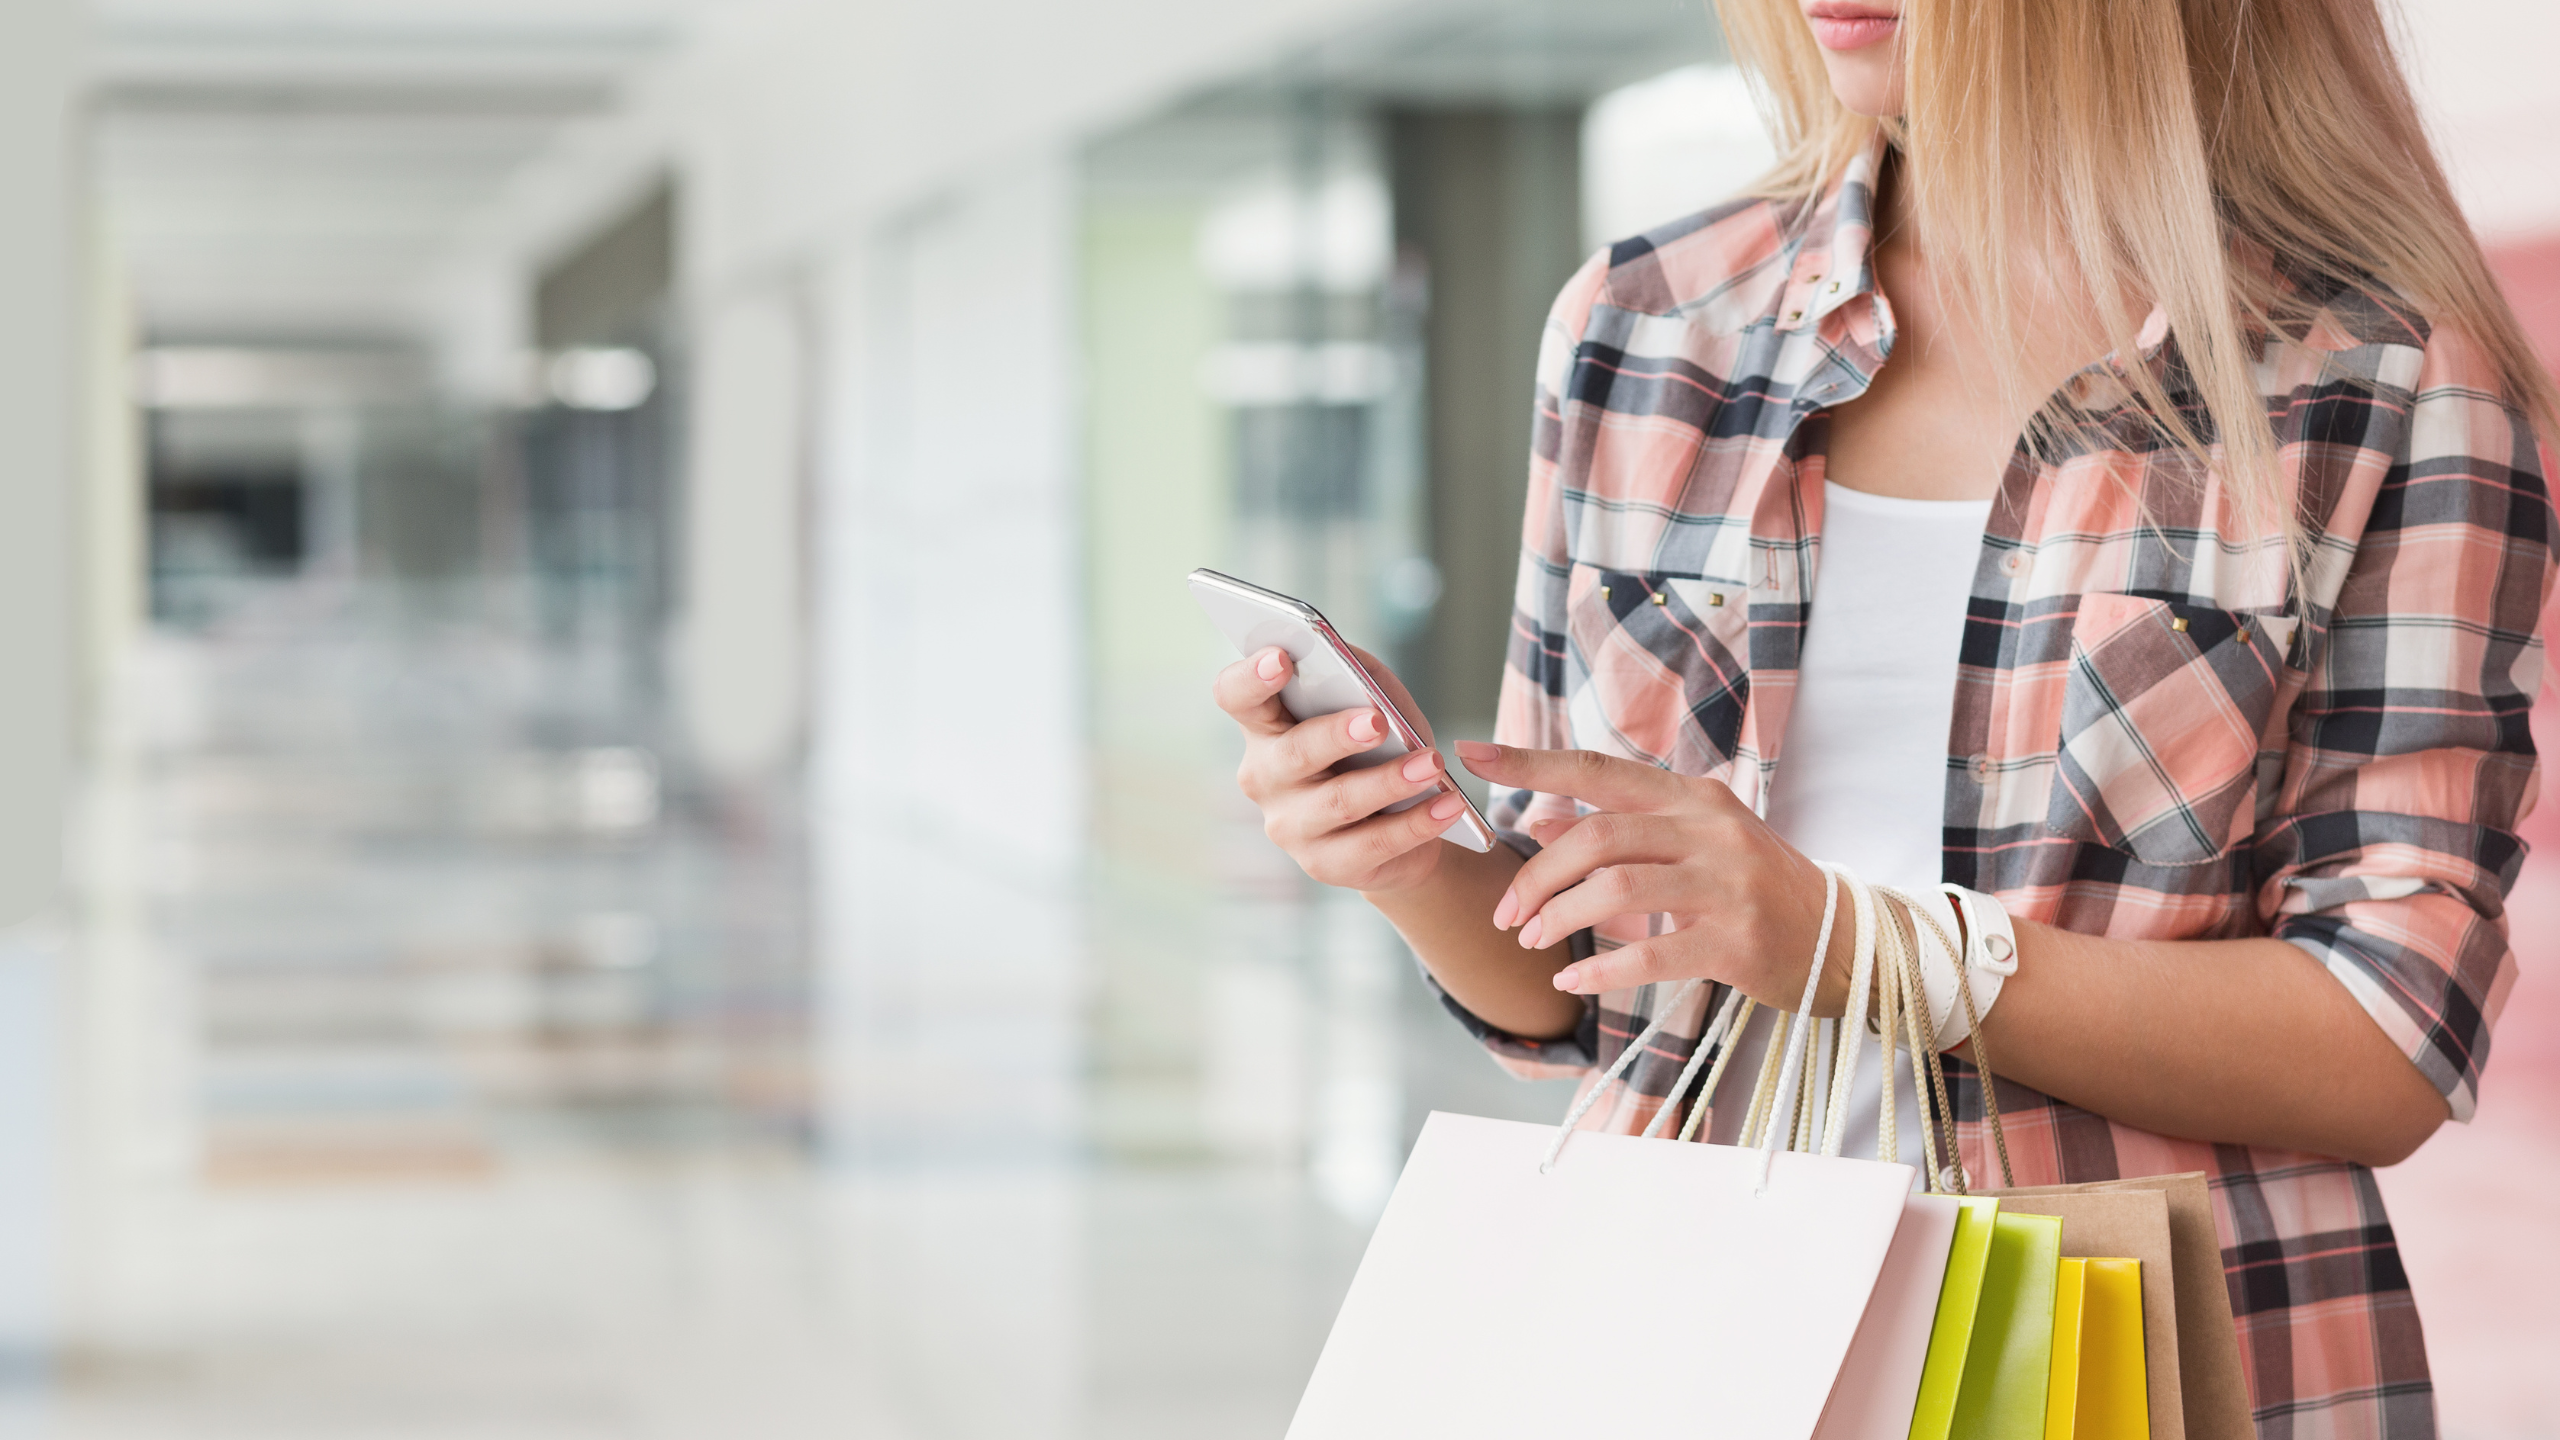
(1509, 1267)
(2191, 1348)
(2095, 1391)
(1881, 1374)
(2062, 1387)
(1951, 1333)
(1491, 1295)
(2002, 1394)
(2132, 1225)
(2111, 1399)
(2193, 1382)
(2118, 1226)
(1712, 1287)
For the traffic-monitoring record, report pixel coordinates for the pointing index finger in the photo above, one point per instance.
(1603, 781)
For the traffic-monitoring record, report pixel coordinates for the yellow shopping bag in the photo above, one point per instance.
(2098, 1387)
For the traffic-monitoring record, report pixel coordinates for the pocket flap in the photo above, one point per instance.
(1668, 658)
(2163, 716)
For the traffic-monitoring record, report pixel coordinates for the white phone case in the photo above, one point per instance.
(1329, 678)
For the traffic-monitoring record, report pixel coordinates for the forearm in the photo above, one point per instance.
(2234, 1041)
(1448, 920)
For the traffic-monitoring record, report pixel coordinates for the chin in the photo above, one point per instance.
(1866, 92)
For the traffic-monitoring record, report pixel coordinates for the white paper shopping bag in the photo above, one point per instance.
(1714, 1290)
(1665, 1279)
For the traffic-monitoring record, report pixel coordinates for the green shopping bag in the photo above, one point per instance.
(1959, 1296)
(1991, 1352)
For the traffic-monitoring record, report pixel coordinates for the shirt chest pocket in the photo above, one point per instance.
(2163, 713)
(1660, 666)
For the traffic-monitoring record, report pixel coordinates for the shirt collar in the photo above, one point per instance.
(1835, 258)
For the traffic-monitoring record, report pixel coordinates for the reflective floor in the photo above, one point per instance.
(438, 1067)
(435, 1065)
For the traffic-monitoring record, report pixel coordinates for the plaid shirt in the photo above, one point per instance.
(2155, 735)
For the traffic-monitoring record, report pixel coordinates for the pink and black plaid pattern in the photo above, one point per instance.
(2156, 734)
(2162, 723)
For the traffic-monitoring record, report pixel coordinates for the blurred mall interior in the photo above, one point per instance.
(609, 821)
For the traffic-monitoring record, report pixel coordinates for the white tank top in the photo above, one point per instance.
(1862, 776)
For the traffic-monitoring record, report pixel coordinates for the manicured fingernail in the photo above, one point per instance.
(1268, 667)
(1472, 750)
(1421, 766)
(1569, 980)
(1533, 934)
(1503, 912)
(1364, 726)
(1447, 807)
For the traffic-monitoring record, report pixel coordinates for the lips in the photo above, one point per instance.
(1841, 27)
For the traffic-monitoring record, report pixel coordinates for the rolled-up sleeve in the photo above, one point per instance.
(2410, 762)
(1531, 711)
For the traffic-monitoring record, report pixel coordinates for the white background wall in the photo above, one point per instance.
(2483, 71)
(40, 625)
(950, 792)
(740, 660)
(39, 346)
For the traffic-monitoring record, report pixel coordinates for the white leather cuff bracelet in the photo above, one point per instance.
(1991, 957)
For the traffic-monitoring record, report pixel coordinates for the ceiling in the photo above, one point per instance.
(277, 169)
(378, 171)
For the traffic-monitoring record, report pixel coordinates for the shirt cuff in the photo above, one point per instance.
(1562, 1058)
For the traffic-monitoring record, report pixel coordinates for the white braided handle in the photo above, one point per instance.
(1885, 961)
(1726, 1024)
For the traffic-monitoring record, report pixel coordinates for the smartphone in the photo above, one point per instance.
(1328, 678)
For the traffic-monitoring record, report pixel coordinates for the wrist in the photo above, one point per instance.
(1416, 872)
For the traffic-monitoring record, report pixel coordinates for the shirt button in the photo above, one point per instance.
(1982, 767)
(2014, 563)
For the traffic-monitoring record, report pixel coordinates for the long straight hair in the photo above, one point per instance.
(2142, 143)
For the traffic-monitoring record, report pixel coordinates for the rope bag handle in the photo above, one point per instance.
(1953, 1180)
(1725, 1027)
(1902, 1017)
(1885, 959)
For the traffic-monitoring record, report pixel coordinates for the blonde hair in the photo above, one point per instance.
(2155, 134)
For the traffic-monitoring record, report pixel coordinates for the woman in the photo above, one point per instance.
(2094, 470)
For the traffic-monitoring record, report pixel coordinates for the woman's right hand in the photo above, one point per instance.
(1329, 820)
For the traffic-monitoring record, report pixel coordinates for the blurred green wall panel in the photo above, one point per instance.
(1158, 504)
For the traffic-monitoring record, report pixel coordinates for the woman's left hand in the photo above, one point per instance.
(1746, 905)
